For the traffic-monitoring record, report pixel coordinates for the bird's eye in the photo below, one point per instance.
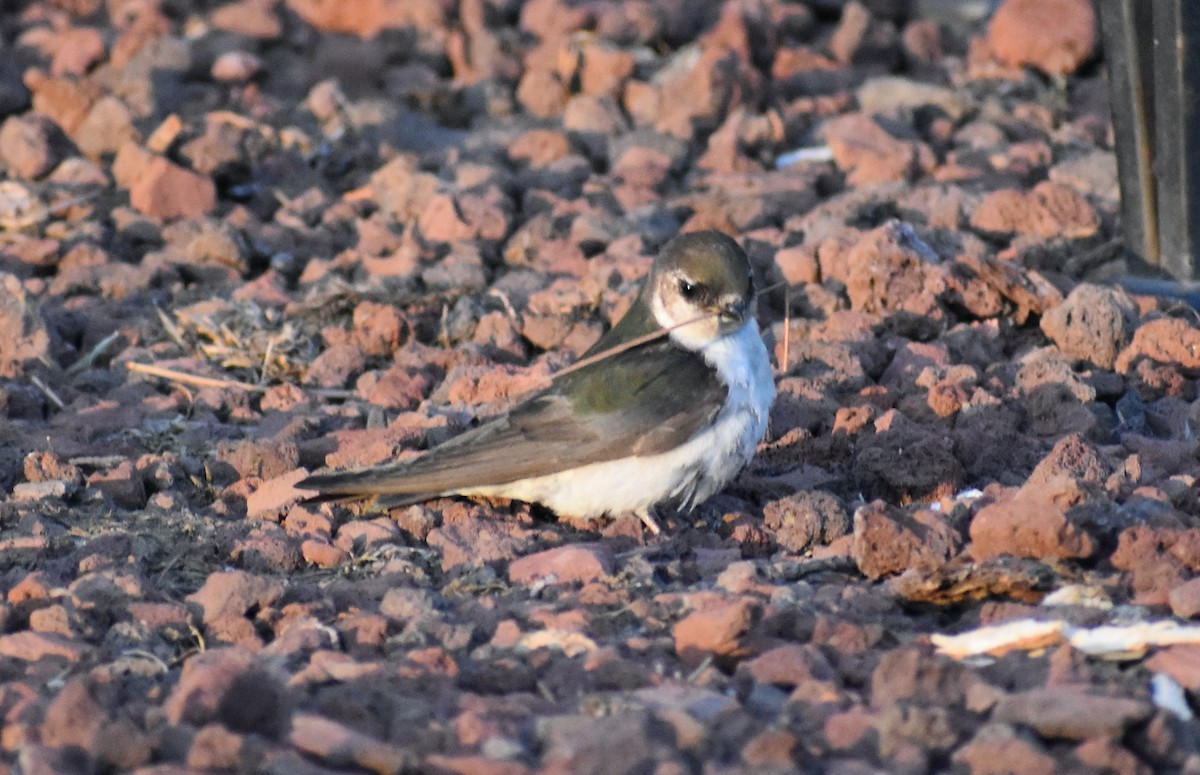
(688, 290)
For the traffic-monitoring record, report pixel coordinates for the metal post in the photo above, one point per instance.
(1152, 50)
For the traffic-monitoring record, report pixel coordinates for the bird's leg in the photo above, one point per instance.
(646, 515)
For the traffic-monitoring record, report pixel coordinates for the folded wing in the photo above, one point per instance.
(640, 402)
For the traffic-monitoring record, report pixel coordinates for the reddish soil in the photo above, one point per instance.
(370, 222)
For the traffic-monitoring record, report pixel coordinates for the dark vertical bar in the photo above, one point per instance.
(1177, 133)
(1129, 58)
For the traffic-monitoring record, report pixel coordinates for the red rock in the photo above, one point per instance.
(36, 585)
(226, 686)
(202, 685)
(1072, 456)
(1055, 36)
(847, 729)
(274, 495)
(604, 68)
(64, 99)
(397, 388)
(30, 146)
(703, 91)
(910, 674)
(26, 337)
(571, 564)
(642, 167)
(1094, 323)
(606, 746)
(282, 398)
(542, 93)
(593, 118)
(912, 361)
(367, 19)
(107, 127)
(51, 619)
(1050, 211)
(123, 485)
(363, 630)
(1185, 599)
(771, 748)
(367, 446)
(229, 598)
(340, 746)
(31, 646)
(73, 717)
(335, 366)
(121, 745)
(715, 631)
(359, 535)
(887, 271)
(379, 329)
(1158, 560)
(805, 519)
(1045, 372)
(1105, 754)
(798, 265)
(922, 41)
(1072, 714)
(215, 747)
(997, 749)
(546, 332)
(155, 615)
(1181, 662)
(322, 553)
(131, 163)
(887, 540)
(552, 18)
(869, 155)
(860, 39)
(791, 665)
(791, 61)
(36, 759)
(408, 605)
(1165, 340)
(476, 765)
(160, 188)
(1032, 523)
(476, 541)
(539, 147)
(442, 221)
(267, 548)
(738, 29)
(266, 458)
(252, 18)
(76, 49)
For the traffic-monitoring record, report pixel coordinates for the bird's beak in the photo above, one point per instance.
(734, 311)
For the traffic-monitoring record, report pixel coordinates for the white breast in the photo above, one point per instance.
(688, 474)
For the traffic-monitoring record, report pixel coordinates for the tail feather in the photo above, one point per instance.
(387, 479)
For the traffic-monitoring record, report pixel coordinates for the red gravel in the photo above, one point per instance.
(368, 223)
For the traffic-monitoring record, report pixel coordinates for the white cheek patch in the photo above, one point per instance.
(670, 310)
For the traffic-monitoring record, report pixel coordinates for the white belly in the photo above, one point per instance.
(688, 474)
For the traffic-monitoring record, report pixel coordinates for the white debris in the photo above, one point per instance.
(1115, 641)
(820, 153)
(1166, 693)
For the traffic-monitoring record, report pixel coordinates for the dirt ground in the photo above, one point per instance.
(242, 241)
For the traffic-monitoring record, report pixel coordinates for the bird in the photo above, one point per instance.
(666, 408)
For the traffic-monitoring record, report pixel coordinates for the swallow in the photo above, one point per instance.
(665, 409)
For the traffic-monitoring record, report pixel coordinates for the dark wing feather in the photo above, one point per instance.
(640, 402)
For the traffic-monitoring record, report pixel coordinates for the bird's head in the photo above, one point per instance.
(701, 288)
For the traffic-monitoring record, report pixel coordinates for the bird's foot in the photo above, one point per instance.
(646, 515)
